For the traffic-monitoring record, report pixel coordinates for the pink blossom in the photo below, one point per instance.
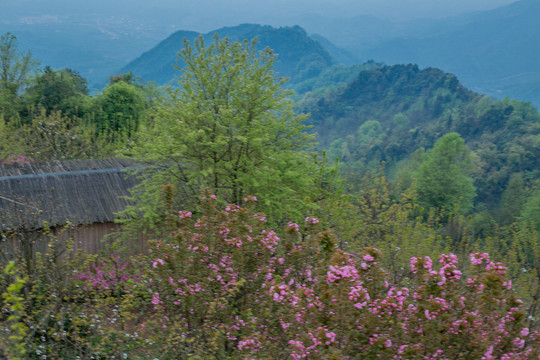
(412, 262)
(293, 226)
(232, 208)
(519, 343)
(488, 353)
(184, 214)
(368, 258)
(331, 337)
(248, 344)
(158, 261)
(155, 299)
(16, 159)
(477, 258)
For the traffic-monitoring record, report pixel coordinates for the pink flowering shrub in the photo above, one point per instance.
(16, 159)
(110, 274)
(225, 286)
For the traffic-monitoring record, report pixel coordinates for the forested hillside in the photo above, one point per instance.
(277, 229)
(492, 52)
(395, 113)
(299, 56)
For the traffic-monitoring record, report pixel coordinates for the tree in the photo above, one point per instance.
(512, 199)
(531, 209)
(119, 109)
(57, 137)
(57, 90)
(15, 68)
(442, 179)
(228, 125)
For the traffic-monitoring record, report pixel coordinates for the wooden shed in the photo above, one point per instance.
(86, 194)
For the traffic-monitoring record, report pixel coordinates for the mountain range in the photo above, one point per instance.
(299, 56)
(492, 52)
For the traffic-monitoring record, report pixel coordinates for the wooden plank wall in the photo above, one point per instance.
(86, 238)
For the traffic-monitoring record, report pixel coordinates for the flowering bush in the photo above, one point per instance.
(225, 286)
(16, 159)
(58, 311)
(107, 275)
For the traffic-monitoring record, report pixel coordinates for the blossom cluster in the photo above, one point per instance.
(16, 159)
(107, 274)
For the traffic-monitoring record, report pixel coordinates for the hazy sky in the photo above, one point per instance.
(382, 8)
(199, 13)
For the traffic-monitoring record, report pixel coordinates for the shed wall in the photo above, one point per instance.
(86, 238)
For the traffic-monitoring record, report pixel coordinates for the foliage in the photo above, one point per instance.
(414, 108)
(42, 114)
(392, 224)
(50, 313)
(57, 137)
(531, 209)
(15, 66)
(62, 91)
(15, 70)
(61, 121)
(119, 109)
(512, 199)
(225, 286)
(330, 78)
(228, 125)
(442, 178)
(13, 301)
(523, 254)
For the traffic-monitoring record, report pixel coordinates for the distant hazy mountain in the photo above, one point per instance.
(94, 46)
(299, 56)
(494, 52)
(342, 56)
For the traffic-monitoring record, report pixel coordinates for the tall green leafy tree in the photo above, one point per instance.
(57, 90)
(14, 66)
(443, 179)
(512, 199)
(228, 124)
(15, 70)
(531, 210)
(119, 109)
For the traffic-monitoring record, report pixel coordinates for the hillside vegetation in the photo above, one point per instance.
(395, 113)
(492, 52)
(299, 56)
(265, 243)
